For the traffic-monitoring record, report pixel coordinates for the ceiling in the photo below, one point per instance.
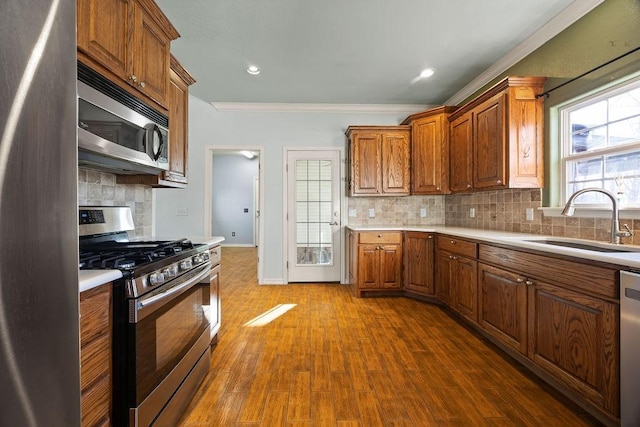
(348, 51)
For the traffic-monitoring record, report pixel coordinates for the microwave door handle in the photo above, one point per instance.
(156, 131)
(146, 306)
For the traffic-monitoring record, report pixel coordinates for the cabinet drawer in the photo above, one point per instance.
(215, 254)
(95, 360)
(373, 237)
(458, 246)
(571, 274)
(95, 313)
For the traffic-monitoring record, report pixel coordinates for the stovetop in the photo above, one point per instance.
(129, 255)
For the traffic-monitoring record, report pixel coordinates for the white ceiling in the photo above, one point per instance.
(350, 51)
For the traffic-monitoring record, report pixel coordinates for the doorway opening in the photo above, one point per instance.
(233, 197)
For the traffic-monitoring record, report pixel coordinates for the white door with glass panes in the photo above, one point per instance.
(313, 216)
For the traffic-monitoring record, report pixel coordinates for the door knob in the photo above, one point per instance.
(334, 223)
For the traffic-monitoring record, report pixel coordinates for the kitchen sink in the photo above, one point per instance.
(598, 247)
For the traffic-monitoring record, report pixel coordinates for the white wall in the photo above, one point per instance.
(232, 190)
(273, 131)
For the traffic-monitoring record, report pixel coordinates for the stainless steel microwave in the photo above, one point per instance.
(116, 137)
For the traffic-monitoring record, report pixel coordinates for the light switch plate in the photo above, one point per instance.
(353, 212)
(182, 211)
(529, 214)
(423, 212)
(372, 213)
(472, 213)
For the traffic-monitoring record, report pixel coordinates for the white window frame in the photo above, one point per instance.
(562, 148)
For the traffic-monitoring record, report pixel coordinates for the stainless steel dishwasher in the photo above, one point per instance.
(629, 348)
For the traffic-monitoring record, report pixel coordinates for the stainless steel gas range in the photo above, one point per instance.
(161, 331)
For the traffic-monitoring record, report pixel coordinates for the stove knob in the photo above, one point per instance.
(170, 272)
(205, 256)
(197, 259)
(186, 265)
(156, 278)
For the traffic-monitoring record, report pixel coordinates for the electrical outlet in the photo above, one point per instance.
(182, 211)
(372, 213)
(353, 213)
(423, 212)
(529, 214)
(472, 213)
(233, 234)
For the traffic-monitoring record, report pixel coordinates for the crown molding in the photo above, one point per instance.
(318, 108)
(561, 21)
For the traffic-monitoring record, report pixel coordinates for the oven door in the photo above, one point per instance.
(169, 333)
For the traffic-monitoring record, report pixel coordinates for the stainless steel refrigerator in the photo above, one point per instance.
(39, 345)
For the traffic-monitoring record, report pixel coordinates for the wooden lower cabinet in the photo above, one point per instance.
(95, 356)
(457, 270)
(378, 266)
(575, 338)
(419, 259)
(502, 306)
(215, 307)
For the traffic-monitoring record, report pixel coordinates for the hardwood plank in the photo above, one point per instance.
(300, 397)
(275, 409)
(322, 411)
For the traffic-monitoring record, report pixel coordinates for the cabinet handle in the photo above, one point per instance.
(529, 282)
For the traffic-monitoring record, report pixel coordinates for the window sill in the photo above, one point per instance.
(629, 213)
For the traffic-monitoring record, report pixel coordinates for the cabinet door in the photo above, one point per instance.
(575, 337)
(395, 163)
(103, 28)
(178, 131)
(444, 261)
(366, 163)
(427, 153)
(461, 154)
(419, 263)
(390, 266)
(489, 145)
(502, 306)
(151, 57)
(465, 287)
(368, 267)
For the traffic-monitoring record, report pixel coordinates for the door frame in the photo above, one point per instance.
(208, 199)
(285, 207)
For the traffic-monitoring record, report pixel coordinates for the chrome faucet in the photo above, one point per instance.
(616, 233)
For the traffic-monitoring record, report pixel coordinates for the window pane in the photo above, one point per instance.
(301, 170)
(625, 132)
(621, 165)
(325, 170)
(314, 170)
(325, 212)
(301, 191)
(584, 170)
(301, 212)
(589, 116)
(625, 105)
(314, 212)
(589, 198)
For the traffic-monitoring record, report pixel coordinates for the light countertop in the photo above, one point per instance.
(626, 260)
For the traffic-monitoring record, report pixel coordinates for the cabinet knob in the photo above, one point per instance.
(499, 181)
(133, 78)
(142, 84)
(450, 256)
(437, 188)
(430, 237)
(469, 185)
(519, 280)
(453, 242)
(529, 282)
(379, 235)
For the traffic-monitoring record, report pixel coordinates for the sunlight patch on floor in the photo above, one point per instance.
(270, 315)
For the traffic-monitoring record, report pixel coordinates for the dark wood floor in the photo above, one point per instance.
(313, 355)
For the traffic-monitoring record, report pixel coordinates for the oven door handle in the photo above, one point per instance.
(144, 307)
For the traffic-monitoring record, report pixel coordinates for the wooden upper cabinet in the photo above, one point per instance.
(502, 132)
(461, 153)
(430, 151)
(128, 42)
(103, 34)
(379, 160)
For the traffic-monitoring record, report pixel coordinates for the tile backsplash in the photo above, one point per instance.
(503, 210)
(97, 188)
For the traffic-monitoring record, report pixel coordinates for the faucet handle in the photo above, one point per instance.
(627, 233)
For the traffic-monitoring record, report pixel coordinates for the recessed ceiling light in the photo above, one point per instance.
(253, 70)
(427, 72)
